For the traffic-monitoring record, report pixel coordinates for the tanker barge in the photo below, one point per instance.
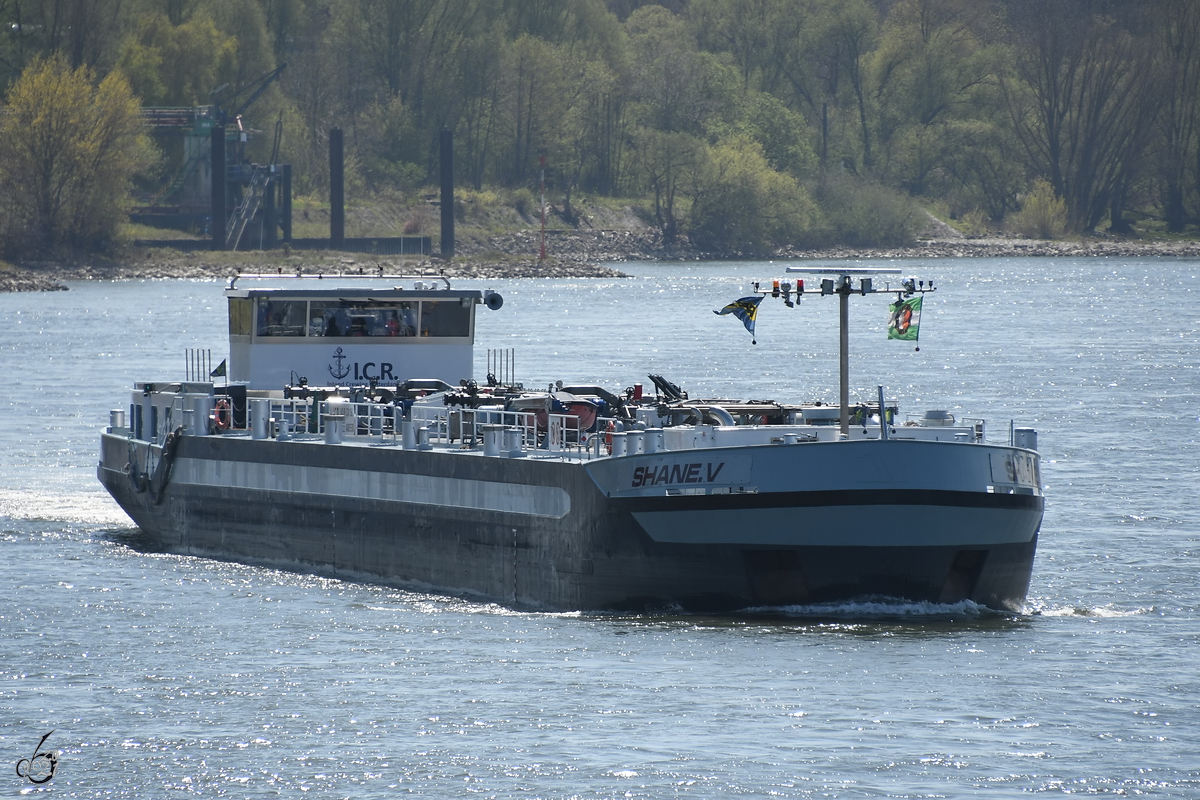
(351, 440)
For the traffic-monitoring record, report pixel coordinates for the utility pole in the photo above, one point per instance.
(542, 162)
(446, 146)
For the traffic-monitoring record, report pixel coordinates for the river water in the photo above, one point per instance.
(165, 676)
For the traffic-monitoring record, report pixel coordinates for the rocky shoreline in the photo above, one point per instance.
(571, 254)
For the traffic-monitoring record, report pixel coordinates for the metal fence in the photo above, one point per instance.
(432, 425)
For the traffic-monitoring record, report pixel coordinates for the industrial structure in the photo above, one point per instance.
(213, 189)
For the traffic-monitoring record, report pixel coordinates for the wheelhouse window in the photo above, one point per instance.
(281, 317)
(445, 318)
(363, 319)
(241, 311)
(271, 317)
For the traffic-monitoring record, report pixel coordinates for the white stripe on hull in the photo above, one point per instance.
(538, 501)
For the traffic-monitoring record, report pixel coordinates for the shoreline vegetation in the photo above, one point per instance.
(570, 254)
(589, 255)
(740, 130)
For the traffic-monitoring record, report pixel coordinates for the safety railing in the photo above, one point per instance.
(465, 425)
(556, 433)
(291, 417)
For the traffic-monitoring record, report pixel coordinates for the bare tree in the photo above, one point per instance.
(1081, 102)
(1177, 71)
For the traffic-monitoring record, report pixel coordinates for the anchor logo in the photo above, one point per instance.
(39, 768)
(341, 370)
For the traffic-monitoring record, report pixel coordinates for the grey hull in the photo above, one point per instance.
(543, 534)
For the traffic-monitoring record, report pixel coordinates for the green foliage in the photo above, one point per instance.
(982, 168)
(741, 205)
(974, 222)
(1083, 97)
(863, 214)
(676, 88)
(177, 65)
(525, 203)
(536, 97)
(783, 134)
(668, 162)
(69, 149)
(1043, 213)
(1176, 164)
(245, 23)
(388, 146)
(958, 101)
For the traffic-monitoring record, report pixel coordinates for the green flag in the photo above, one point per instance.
(905, 320)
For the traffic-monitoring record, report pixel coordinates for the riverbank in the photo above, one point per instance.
(570, 254)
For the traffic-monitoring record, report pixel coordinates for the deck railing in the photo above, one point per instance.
(275, 417)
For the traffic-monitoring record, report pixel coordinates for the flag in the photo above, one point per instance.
(745, 309)
(905, 320)
(219, 372)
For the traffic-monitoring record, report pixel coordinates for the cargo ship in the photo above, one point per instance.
(347, 436)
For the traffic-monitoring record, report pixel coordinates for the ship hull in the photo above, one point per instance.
(777, 526)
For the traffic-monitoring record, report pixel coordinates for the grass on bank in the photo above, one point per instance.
(478, 216)
(482, 214)
(976, 224)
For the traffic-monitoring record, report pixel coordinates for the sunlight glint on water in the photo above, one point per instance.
(170, 676)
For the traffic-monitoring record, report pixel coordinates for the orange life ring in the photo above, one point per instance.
(222, 415)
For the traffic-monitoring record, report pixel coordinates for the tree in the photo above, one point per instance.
(177, 65)
(741, 205)
(388, 148)
(1082, 104)
(667, 73)
(539, 87)
(932, 69)
(743, 29)
(1043, 214)
(783, 134)
(854, 30)
(246, 25)
(594, 129)
(284, 20)
(68, 151)
(862, 213)
(82, 31)
(480, 104)
(668, 160)
(984, 168)
(1177, 66)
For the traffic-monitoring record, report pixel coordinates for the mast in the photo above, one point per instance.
(842, 283)
(844, 353)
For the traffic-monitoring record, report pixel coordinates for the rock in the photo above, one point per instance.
(570, 254)
(19, 282)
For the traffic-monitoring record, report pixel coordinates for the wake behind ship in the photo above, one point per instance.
(399, 468)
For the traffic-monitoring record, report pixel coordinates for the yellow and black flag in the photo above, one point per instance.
(745, 309)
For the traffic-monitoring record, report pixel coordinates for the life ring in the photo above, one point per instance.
(222, 416)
